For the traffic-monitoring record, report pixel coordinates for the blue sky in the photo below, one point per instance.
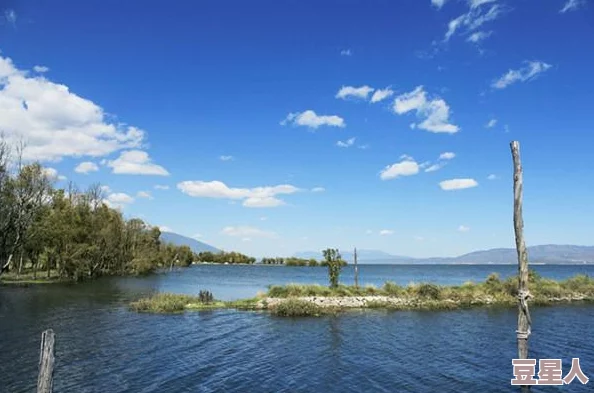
(285, 126)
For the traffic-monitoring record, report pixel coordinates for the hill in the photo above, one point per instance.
(180, 240)
(549, 253)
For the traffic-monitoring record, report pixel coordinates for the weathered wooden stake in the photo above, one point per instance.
(45, 381)
(356, 270)
(524, 322)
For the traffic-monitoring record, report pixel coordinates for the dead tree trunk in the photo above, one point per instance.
(524, 322)
(356, 270)
(45, 381)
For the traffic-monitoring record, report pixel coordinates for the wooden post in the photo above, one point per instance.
(356, 270)
(524, 321)
(45, 381)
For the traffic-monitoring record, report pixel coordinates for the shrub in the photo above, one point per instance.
(392, 289)
(429, 291)
(297, 308)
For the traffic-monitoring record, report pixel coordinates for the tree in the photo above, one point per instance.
(334, 262)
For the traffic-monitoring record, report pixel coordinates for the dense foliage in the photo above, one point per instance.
(333, 260)
(225, 257)
(72, 234)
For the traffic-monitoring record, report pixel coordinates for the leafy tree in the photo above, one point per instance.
(335, 263)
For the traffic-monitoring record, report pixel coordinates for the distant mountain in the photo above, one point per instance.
(179, 240)
(550, 253)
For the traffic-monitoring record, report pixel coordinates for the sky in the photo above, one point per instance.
(273, 127)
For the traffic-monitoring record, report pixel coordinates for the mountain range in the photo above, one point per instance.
(180, 240)
(549, 253)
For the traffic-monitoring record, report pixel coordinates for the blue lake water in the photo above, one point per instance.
(103, 347)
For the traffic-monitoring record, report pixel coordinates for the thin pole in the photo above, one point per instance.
(524, 321)
(356, 270)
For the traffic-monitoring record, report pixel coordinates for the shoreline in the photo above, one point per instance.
(305, 300)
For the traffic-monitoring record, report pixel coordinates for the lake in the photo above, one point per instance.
(103, 347)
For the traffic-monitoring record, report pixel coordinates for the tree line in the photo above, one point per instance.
(73, 234)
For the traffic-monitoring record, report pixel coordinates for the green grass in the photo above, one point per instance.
(163, 303)
(28, 278)
(415, 296)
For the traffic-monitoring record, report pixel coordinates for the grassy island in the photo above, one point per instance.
(313, 300)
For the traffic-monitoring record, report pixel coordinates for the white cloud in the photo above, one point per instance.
(492, 177)
(318, 189)
(10, 16)
(106, 189)
(438, 3)
(247, 231)
(435, 111)
(346, 52)
(54, 121)
(144, 194)
(457, 184)
(435, 167)
(492, 123)
(226, 158)
(263, 218)
(406, 167)
(368, 232)
(348, 143)
(355, 92)
(165, 228)
(136, 162)
(86, 167)
(479, 36)
(40, 69)
(252, 197)
(363, 147)
(161, 187)
(526, 73)
(471, 21)
(310, 119)
(572, 5)
(385, 232)
(381, 94)
(463, 228)
(448, 155)
(118, 200)
(51, 173)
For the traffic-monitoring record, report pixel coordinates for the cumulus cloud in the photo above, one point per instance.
(572, 5)
(252, 197)
(161, 187)
(118, 200)
(436, 112)
(165, 228)
(226, 158)
(463, 228)
(457, 184)
(406, 167)
(381, 94)
(435, 167)
(52, 174)
(530, 71)
(248, 232)
(385, 232)
(10, 16)
(54, 121)
(448, 155)
(86, 167)
(318, 189)
(310, 119)
(136, 162)
(492, 123)
(346, 52)
(144, 194)
(361, 92)
(348, 143)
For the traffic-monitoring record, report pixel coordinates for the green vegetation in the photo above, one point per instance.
(295, 300)
(225, 257)
(173, 303)
(335, 263)
(71, 235)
